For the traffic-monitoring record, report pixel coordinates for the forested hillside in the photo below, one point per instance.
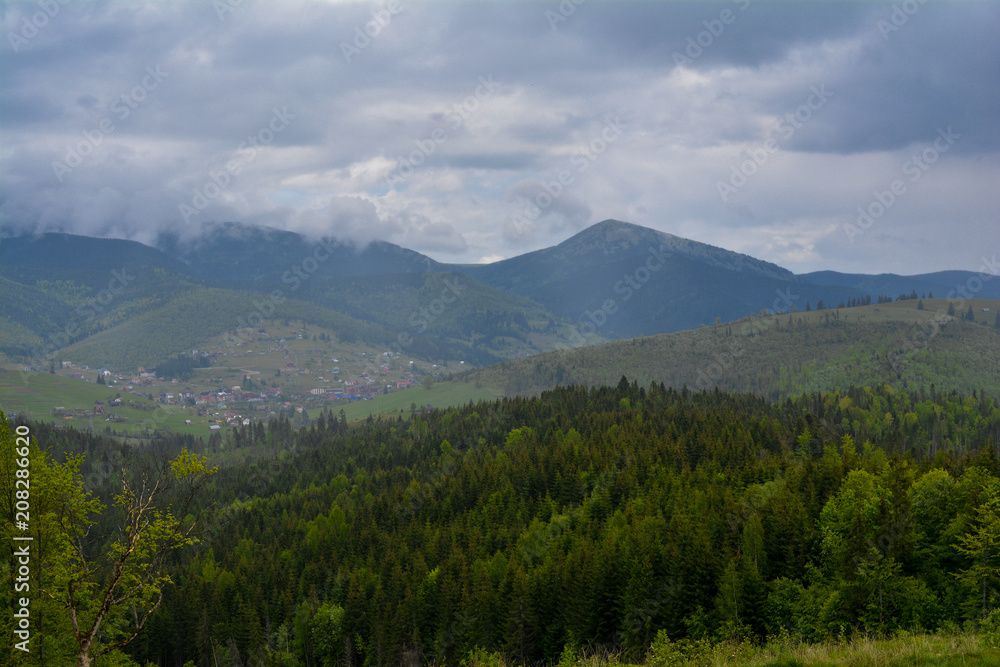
(586, 516)
(909, 343)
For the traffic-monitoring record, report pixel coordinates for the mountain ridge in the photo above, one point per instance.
(612, 280)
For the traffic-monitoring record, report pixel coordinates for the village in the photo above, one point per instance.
(279, 370)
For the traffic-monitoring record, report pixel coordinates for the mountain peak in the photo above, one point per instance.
(609, 237)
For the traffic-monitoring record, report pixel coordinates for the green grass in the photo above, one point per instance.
(440, 395)
(36, 394)
(964, 650)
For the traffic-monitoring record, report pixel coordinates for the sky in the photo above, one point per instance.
(851, 136)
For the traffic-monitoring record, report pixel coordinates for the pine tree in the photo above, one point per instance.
(982, 545)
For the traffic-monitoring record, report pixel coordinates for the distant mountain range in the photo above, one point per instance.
(612, 280)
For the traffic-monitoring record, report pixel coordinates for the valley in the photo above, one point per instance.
(370, 327)
(500, 334)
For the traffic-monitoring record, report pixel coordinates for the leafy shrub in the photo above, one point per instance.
(990, 633)
(664, 652)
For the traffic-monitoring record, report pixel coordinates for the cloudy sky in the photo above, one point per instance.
(473, 131)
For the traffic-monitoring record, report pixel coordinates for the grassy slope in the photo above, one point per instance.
(37, 393)
(441, 394)
(783, 354)
(186, 322)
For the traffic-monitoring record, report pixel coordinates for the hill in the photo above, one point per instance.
(613, 280)
(939, 283)
(778, 355)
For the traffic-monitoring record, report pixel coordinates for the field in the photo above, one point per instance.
(35, 395)
(440, 395)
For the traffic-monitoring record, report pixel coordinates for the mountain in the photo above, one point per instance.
(233, 252)
(612, 241)
(123, 304)
(612, 280)
(61, 253)
(626, 280)
(940, 283)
